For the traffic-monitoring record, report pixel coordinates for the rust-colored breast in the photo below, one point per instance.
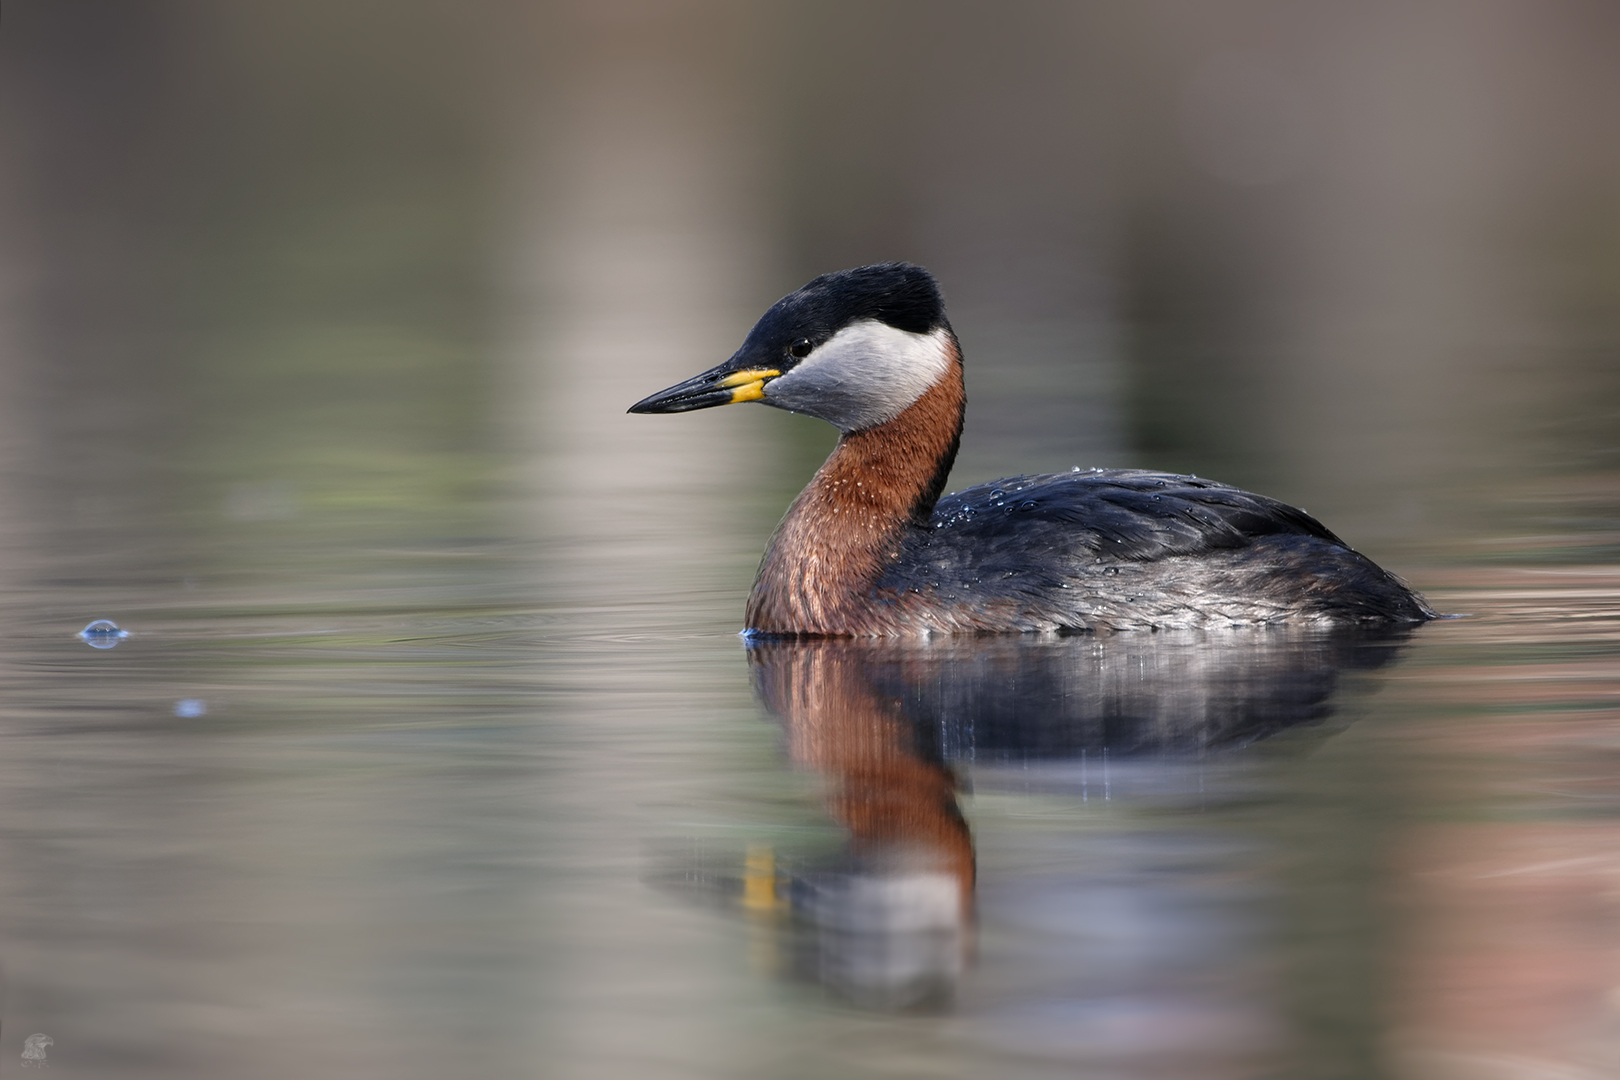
(818, 572)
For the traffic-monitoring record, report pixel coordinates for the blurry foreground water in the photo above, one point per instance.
(424, 819)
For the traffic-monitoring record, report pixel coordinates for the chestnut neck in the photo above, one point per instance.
(847, 525)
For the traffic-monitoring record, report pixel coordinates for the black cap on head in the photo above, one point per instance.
(900, 294)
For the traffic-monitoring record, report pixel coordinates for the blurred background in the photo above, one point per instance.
(326, 257)
(317, 326)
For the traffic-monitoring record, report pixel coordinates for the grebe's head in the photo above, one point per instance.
(854, 348)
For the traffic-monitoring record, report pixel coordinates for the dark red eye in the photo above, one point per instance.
(800, 348)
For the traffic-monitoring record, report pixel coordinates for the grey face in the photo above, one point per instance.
(864, 375)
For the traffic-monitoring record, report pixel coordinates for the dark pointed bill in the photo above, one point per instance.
(723, 385)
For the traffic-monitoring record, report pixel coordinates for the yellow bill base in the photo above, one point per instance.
(750, 385)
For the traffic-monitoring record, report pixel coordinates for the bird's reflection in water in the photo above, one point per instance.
(891, 926)
(887, 722)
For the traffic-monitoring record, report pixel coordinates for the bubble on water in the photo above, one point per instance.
(190, 708)
(102, 634)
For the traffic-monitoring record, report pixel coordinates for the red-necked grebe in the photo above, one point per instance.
(870, 549)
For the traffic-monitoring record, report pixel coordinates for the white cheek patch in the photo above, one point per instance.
(864, 375)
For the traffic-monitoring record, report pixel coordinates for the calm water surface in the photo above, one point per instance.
(408, 812)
